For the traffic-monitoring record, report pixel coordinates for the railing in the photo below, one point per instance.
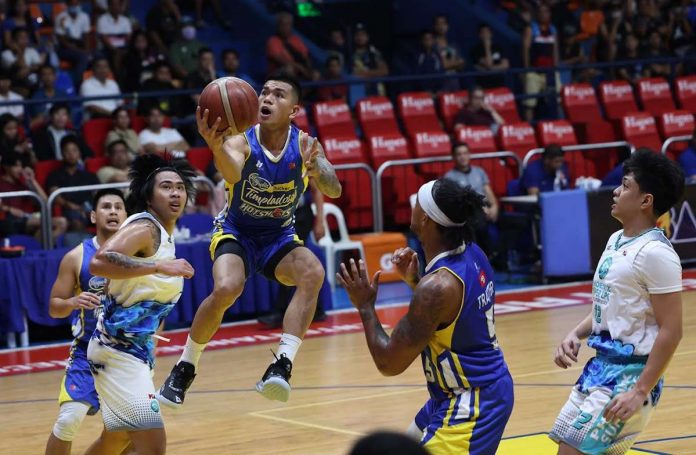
(671, 140)
(379, 212)
(578, 148)
(43, 208)
(373, 182)
(47, 221)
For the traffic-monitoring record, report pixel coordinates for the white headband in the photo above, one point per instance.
(427, 202)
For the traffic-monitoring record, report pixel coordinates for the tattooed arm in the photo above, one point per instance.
(319, 168)
(121, 256)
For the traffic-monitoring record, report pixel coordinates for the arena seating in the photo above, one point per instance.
(480, 139)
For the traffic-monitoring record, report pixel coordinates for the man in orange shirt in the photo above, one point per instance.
(286, 51)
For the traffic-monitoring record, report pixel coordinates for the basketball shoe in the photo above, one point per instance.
(275, 383)
(173, 391)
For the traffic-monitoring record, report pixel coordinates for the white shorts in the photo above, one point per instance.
(125, 388)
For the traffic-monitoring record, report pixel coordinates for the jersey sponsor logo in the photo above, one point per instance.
(604, 268)
(97, 284)
(261, 199)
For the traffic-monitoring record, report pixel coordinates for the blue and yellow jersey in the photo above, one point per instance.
(465, 354)
(85, 321)
(265, 198)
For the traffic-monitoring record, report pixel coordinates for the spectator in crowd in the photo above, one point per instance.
(488, 56)
(204, 73)
(119, 160)
(139, 62)
(75, 206)
(230, 66)
(332, 73)
(387, 443)
(157, 138)
(217, 10)
(656, 49)
(114, 30)
(474, 176)
(539, 50)
(100, 84)
(12, 142)
(368, 61)
(630, 72)
(338, 46)
(679, 30)
(449, 52)
(687, 160)
(47, 139)
(8, 95)
(550, 173)
(18, 17)
(23, 60)
(162, 23)
(286, 51)
(592, 26)
(47, 91)
(183, 53)
(477, 112)
(72, 28)
(21, 215)
(123, 132)
(428, 61)
(161, 80)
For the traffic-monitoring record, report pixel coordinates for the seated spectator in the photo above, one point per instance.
(139, 62)
(633, 71)
(217, 10)
(23, 60)
(8, 95)
(122, 131)
(230, 66)
(539, 50)
(100, 85)
(428, 62)
(117, 169)
(204, 73)
(449, 52)
(656, 49)
(114, 30)
(286, 51)
(161, 80)
(18, 16)
(488, 56)
(162, 24)
(338, 46)
(183, 53)
(47, 139)
(20, 215)
(477, 112)
(680, 31)
(157, 138)
(72, 28)
(333, 73)
(47, 91)
(12, 142)
(75, 206)
(368, 61)
(550, 173)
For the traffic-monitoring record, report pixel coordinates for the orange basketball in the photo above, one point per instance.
(233, 100)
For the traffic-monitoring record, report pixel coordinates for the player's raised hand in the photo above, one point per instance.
(86, 301)
(310, 152)
(567, 351)
(175, 267)
(361, 292)
(406, 263)
(212, 136)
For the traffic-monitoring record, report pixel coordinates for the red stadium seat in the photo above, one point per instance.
(43, 168)
(655, 95)
(95, 132)
(376, 116)
(517, 137)
(556, 132)
(617, 98)
(199, 157)
(479, 138)
(96, 163)
(417, 111)
(301, 120)
(332, 118)
(676, 123)
(580, 103)
(449, 104)
(503, 101)
(685, 88)
(431, 143)
(640, 130)
(387, 146)
(343, 149)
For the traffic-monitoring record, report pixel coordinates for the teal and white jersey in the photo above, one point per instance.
(629, 271)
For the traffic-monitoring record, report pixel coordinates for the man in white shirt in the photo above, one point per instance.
(8, 95)
(71, 28)
(100, 85)
(159, 139)
(114, 30)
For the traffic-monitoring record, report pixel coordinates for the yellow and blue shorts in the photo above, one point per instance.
(471, 422)
(78, 383)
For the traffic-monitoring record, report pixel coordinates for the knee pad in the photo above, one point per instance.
(69, 420)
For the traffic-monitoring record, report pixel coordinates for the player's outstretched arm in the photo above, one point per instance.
(567, 352)
(125, 254)
(432, 302)
(318, 167)
(63, 299)
(229, 152)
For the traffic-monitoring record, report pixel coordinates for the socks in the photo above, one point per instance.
(192, 352)
(289, 344)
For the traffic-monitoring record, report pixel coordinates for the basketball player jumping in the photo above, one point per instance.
(145, 282)
(266, 170)
(449, 323)
(636, 320)
(76, 291)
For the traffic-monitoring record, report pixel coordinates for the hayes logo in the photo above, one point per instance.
(452, 99)
(640, 123)
(390, 144)
(475, 135)
(419, 104)
(499, 99)
(333, 110)
(687, 86)
(580, 93)
(655, 88)
(345, 146)
(434, 140)
(520, 133)
(618, 91)
(378, 110)
(558, 130)
(679, 120)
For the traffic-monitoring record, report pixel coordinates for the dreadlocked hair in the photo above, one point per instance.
(461, 204)
(142, 174)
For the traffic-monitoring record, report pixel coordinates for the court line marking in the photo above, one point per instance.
(673, 438)
(306, 424)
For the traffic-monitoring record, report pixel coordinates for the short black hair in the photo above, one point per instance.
(229, 50)
(332, 58)
(106, 192)
(69, 139)
(19, 30)
(47, 66)
(98, 59)
(9, 159)
(7, 118)
(552, 151)
(117, 111)
(58, 106)
(657, 175)
(458, 144)
(461, 204)
(288, 79)
(154, 107)
(483, 25)
(387, 443)
(205, 50)
(142, 174)
(110, 147)
(160, 64)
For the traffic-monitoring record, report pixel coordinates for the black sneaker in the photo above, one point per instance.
(173, 391)
(275, 383)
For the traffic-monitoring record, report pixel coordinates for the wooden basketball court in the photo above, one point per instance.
(339, 395)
